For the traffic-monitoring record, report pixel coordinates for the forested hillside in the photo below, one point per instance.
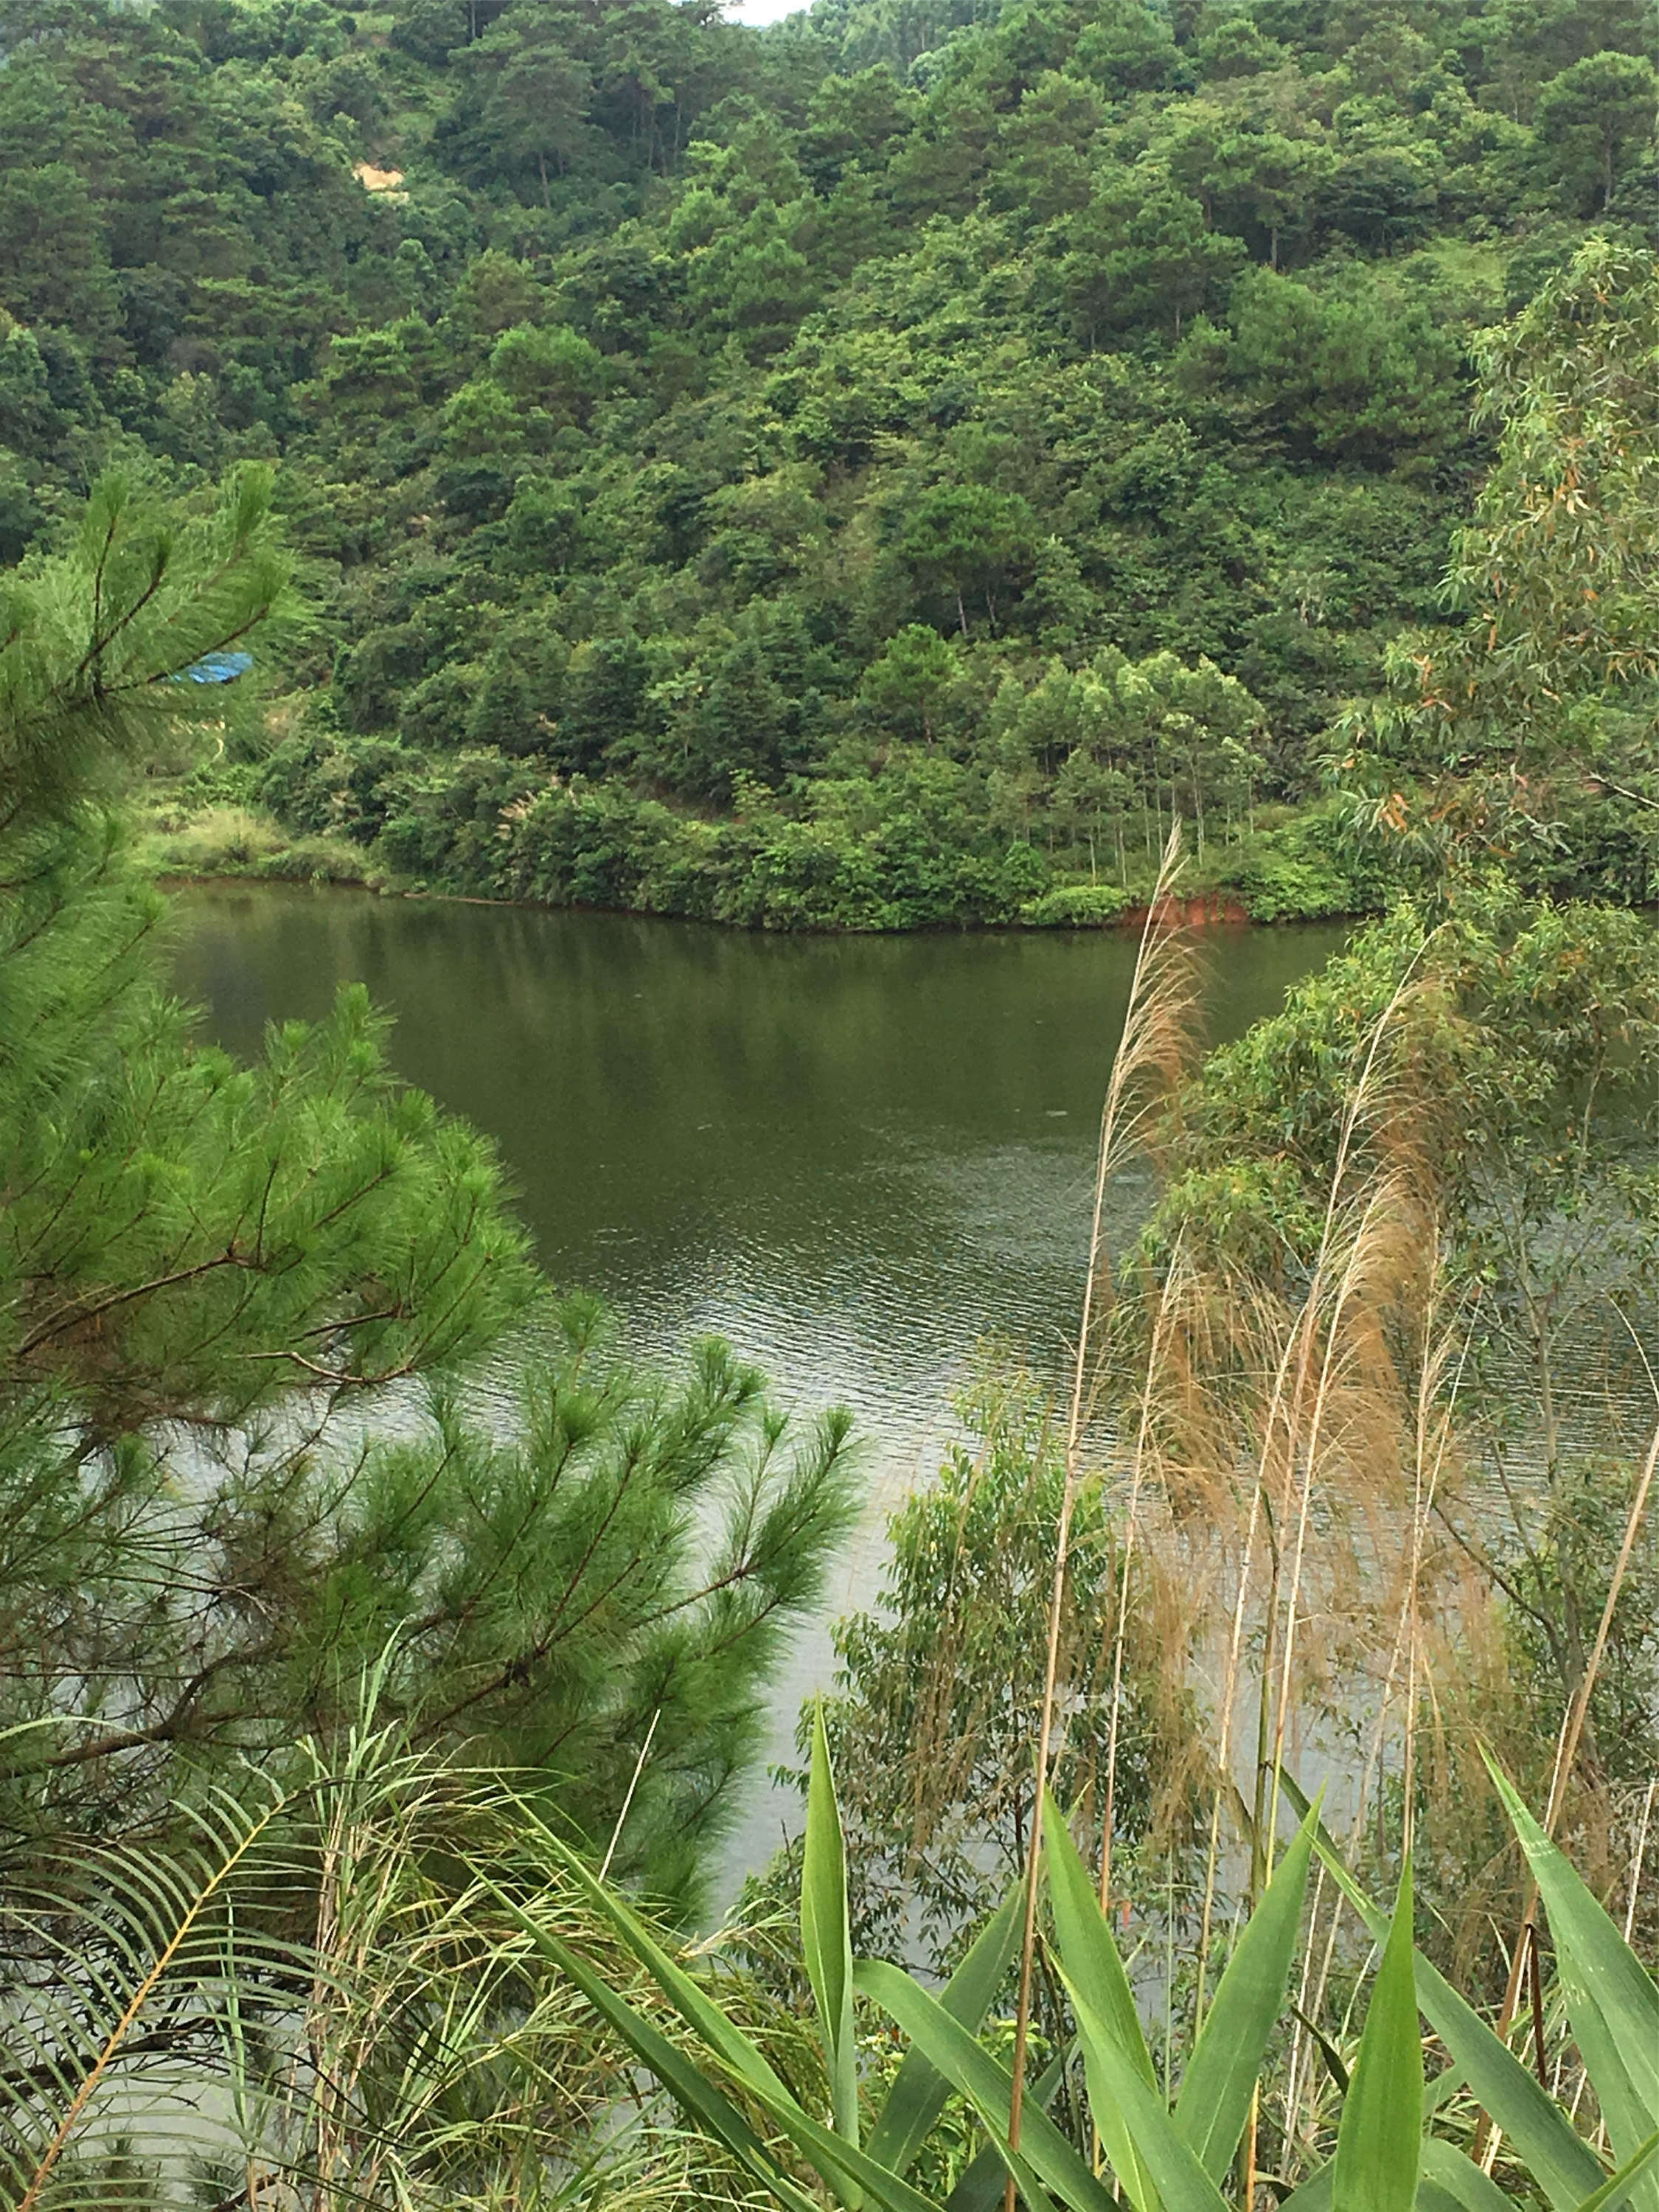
(866, 472)
(879, 471)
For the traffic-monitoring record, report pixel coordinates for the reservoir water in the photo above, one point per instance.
(853, 1158)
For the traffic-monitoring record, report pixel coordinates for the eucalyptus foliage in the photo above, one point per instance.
(1523, 732)
(939, 1687)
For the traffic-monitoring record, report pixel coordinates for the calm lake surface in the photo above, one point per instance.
(854, 1158)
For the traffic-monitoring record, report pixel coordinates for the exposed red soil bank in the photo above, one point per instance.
(1200, 912)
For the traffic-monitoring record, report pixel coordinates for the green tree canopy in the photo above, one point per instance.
(1531, 715)
(1592, 118)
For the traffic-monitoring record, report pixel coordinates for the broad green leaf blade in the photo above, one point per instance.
(1538, 2132)
(980, 2188)
(973, 2073)
(1215, 2095)
(841, 2164)
(1313, 2194)
(1084, 1941)
(1432, 2197)
(694, 2006)
(1563, 2166)
(917, 2097)
(1612, 2003)
(1459, 2180)
(1445, 2085)
(824, 1938)
(1336, 2066)
(1636, 2169)
(848, 2170)
(1090, 1962)
(1166, 2160)
(1028, 2182)
(1379, 2139)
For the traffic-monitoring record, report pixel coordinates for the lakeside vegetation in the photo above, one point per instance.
(362, 1754)
(871, 473)
(363, 1745)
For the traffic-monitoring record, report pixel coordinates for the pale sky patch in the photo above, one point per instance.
(763, 11)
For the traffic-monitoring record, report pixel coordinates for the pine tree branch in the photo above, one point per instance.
(61, 1322)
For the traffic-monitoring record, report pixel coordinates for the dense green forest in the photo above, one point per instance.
(875, 471)
(882, 471)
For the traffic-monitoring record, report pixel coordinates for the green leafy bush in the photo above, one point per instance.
(1078, 905)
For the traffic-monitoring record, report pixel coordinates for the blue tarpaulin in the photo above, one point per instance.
(217, 668)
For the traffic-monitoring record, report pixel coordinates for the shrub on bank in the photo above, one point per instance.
(1078, 905)
(234, 841)
(480, 823)
(1302, 866)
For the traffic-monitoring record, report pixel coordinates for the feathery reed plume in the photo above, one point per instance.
(1291, 1420)
(1326, 1393)
(1153, 1055)
(1155, 1352)
(1433, 1413)
(1379, 1234)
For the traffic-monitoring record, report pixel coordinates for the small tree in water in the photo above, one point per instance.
(938, 1689)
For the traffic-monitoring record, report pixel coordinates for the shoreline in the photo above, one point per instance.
(726, 879)
(1198, 910)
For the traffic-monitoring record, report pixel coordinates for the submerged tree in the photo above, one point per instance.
(939, 1691)
(239, 1452)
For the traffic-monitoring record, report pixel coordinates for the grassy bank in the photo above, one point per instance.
(210, 824)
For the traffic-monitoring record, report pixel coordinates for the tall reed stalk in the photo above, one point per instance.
(1154, 1053)
(1310, 1355)
(1321, 1414)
